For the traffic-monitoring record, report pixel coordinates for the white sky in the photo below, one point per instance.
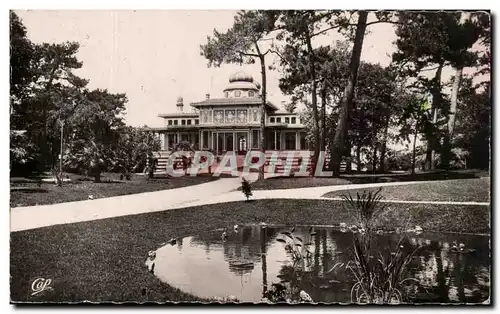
(154, 56)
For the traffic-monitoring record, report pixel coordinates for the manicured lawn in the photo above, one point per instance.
(103, 260)
(463, 190)
(277, 183)
(28, 192)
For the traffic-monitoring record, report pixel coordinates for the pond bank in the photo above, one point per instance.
(103, 260)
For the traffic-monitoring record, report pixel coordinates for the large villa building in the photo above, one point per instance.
(232, 122)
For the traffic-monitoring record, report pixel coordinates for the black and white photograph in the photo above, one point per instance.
(253, 156)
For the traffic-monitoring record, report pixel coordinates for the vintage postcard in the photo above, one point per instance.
(253, 156)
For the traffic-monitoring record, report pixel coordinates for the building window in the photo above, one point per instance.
(183, 122)
(226, 94)
(189, 122)
(287, 120)
(237, 93)
(196, 121)
(251, 93)
(169, 122)
(176, 122)
(294, 120)
(272, 119)
(278, 120)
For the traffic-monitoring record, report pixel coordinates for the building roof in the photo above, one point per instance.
(281, 112)
(242, 86)
(232, 101)
(179, 115)
(240, 76)
(242, 81)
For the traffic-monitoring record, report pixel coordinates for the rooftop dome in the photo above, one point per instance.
(241, 81)
(240, 76)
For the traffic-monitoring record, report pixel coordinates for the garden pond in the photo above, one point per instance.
(248, 260)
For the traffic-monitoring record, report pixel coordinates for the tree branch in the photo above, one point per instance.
(430, 69)
(325, 30)
(268, 50)
(276, 52)
(248, 54)
(390, 22)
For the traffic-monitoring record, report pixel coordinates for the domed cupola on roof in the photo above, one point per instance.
(241, 84)
(240, 76)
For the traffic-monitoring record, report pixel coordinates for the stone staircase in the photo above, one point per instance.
(272, 158)
(279, 160)
(163, 160)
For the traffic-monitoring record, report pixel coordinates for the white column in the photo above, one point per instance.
(297, 140)
(248, 140)
(201, 139)
(275, 140)
(217, 142)
(235, 143)
(282, 140)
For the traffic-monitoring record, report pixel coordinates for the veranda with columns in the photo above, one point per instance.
(231, 123)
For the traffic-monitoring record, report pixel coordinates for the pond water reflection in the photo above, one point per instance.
(250, 260)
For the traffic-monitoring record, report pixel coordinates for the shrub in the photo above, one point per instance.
(246, 188)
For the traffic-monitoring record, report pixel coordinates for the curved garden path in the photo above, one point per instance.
(218, 191)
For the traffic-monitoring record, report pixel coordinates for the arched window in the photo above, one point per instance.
(251, 93)
(237, 93)
(226, 94)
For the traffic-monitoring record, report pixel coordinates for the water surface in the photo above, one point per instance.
(250, 260)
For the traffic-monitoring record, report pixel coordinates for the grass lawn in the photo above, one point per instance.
(277, 183)
(28, 192)
(463, 190)
(103, 260)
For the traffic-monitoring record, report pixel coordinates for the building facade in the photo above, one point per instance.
(232, 123)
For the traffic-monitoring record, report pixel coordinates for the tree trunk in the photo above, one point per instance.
(263, 252)
(323, 118)
(413, 157)
(262, 111)
(348, 166)
(436, 102)
(374, 159)
(384, 145)
(312, 70)
(347, 98)
(446, 155)
(433, 142)
(45, 140)
(151, 167)
(358, 157)
(97, 174)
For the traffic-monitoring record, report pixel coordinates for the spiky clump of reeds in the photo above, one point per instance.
(378, 279)
(364, 207)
